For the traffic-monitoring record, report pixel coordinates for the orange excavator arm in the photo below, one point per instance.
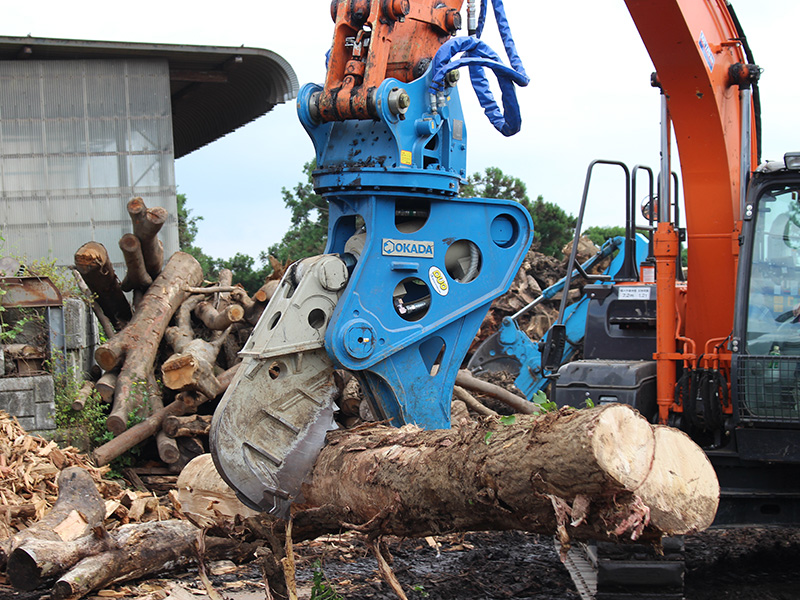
(702, 71)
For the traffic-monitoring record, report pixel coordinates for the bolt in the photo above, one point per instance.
(359, 340)
(453, 77)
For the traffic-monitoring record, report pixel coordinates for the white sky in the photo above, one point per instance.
(589, 97)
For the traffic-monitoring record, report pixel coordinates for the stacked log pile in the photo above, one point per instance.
(175, 329)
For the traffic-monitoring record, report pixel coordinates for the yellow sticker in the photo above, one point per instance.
(405, 157)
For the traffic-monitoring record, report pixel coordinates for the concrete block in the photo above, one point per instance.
(30, 399)
(75, 323)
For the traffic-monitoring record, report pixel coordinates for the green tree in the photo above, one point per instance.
(308, 233)
(187, 232)
(243, 266)
(553, 227)
(599, 235)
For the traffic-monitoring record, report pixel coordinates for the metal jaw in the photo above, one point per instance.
(271, 423)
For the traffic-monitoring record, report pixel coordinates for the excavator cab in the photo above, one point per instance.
(769, 291)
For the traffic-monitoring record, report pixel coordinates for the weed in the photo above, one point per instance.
(86, 427)
(322, 589)
(543, 404)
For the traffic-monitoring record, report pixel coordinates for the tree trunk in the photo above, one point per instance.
(217, 320)
(596, 473)
(189, 426)
(78, 509)
(105, 322)
(147, 222)
(104, 454)
(92, 262)
(137, 344)
(83, 395)
(106, 385)
(136, 276)
(97, 559)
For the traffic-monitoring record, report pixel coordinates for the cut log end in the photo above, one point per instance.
(624, 445)
(24, 573)
(682, 489)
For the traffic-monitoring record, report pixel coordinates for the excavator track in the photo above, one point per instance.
(271, 424)
(605, 571)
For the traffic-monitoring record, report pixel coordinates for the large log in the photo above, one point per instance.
(136, 275)
(136, 345)
(594, 473)
(92, 262)
(78, 509)
(144, 549)
(602, 473)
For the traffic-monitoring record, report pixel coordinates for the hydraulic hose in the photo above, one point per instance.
(477, 55)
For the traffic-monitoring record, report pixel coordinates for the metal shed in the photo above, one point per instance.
(85, 126)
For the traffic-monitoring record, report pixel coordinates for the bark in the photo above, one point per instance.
(77, 511)
(106, 385)
(104, 321)
(218, 320)
(143, 549)
(138, 433)
(92, 262)
(147, 222)
(136, 276)
(83, 395)
(189, 426)
(519, 404)
(588, 474)
(135, 347)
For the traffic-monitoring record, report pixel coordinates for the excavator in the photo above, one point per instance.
(411, 268)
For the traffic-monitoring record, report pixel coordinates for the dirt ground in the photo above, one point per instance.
(747, 564)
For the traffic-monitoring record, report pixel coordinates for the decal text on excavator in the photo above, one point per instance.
(407, 248)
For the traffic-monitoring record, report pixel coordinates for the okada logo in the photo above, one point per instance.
(407, 248)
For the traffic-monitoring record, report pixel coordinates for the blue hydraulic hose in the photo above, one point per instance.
(476, 56)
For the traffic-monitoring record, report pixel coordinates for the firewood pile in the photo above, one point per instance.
(179, 329)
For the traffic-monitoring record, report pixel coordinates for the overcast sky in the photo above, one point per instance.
(589, 97)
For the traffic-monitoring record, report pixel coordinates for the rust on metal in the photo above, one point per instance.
(29, 292)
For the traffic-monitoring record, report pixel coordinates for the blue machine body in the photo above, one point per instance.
(514, 343)
(427, 263)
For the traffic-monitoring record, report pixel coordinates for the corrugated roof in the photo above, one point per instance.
(214, 90)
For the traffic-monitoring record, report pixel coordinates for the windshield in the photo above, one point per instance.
(772, 327)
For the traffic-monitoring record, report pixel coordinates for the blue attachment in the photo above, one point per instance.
(429, 263)
(408, 362)
(514, 342)
(426, 150)
(476, 56)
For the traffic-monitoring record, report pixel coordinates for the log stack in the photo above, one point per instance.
(173, 327)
